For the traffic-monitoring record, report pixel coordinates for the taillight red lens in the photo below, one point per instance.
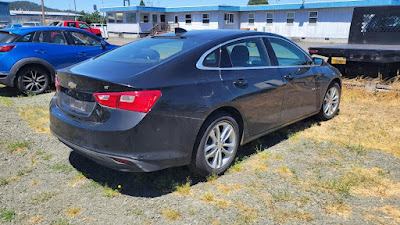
(313, 51)
(6, 48)
(57, 84)
(139, 101)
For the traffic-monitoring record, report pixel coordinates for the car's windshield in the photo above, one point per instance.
(150, 51)
(28, 24)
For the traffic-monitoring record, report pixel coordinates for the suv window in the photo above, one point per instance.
(26, 38)
(82, 39)
(249, 52)
(83, 26)
(287, 54)
(71, 24)
(51, 37)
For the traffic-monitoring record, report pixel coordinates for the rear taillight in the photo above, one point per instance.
(6, 48)
(57, 84)
(139, 101)
(313, 51)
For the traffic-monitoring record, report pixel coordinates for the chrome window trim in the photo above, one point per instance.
(200, 65)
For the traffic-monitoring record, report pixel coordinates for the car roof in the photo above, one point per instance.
(25, 30)
(216, 34)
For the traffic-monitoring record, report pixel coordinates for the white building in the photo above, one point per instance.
(313, 21)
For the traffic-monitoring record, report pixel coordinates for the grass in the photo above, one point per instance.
(366, 121)
(37, 117)
(61, 167)
(171, 214)
(7, 215)
(43, 197)
(73, 212)
(183, 189)
(4, 181)
(6, 101)
(208, 197)
(17, 146)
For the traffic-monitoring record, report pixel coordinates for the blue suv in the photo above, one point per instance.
(30, 56)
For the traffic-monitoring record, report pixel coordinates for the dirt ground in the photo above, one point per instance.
(285, 177)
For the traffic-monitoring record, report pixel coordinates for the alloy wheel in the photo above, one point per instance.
(220, 145)
(331, 101)
(34, 81)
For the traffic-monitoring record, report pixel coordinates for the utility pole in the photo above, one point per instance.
(43, 18)
(75, 8)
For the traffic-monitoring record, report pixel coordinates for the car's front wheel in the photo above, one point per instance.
(217, 145)
(33, 80)
(331, 102)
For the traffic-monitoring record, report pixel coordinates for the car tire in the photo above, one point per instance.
(33, 80)
(331, 102)
(208, 160)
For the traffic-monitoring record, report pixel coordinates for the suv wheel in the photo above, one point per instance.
(33, 80)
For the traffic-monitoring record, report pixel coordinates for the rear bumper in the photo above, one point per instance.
(7, 79)
(148, 142)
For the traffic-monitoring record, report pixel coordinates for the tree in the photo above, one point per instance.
(258, 2)
(142, 3)
(91, 17)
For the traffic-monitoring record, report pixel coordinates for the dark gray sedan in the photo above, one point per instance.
(188, 98)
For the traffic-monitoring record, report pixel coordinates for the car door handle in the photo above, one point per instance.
(40, 51)
(240, 83)
(82, 54)
(289, 77)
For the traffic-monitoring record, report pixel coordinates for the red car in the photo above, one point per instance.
(80, 25)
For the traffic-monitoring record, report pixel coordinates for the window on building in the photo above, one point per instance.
(229, 18)
(270, 18)
(290, 17)
(313, 18)
(251, 18)
(111, 17)
(287, 54)
(206, 18)
(144, 17)
(188, 18)
(130, 17)
(248, 53)
(120, 17)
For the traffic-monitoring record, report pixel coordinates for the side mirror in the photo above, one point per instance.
(103, 45)
(318, 61)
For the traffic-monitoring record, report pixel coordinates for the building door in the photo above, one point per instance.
(162, 18)
(155, 19)
(176, 19)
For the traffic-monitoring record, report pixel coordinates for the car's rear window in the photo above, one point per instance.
(150, 51)
(5, 37)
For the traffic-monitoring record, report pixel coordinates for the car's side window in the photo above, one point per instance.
(82, 39)
(248, 52)
(212, 59)
(51, 37)
(287, 54)
(71, 24)
(83, 26)
(26, 37)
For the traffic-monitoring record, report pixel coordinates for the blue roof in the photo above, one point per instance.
(25, 30)
(292, 6)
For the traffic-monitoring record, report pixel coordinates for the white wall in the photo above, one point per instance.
(332, 23)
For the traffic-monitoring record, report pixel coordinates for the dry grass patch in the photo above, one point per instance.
(366, 121)
(37, 117)
(227, 189)
(283, 216)
(78, 179)
(183, 189)
(390, 211)
(73, 212)
(258, 165)
(208, 197)
(6, 101)
(342, 210)
(17, 146)
(247, 214)
(285, 171)
(36, 220)
(223, 204)
(171, 214)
